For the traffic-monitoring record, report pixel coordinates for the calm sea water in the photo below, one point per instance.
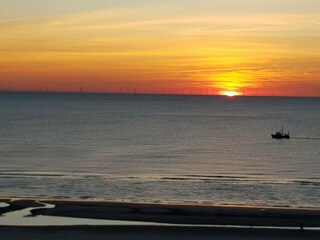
(196, 149)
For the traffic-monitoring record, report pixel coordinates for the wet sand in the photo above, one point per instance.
(186, 214)
(172, 213)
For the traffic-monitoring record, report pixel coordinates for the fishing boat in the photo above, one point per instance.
(280, 135)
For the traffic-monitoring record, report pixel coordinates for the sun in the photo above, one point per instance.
(230, 93)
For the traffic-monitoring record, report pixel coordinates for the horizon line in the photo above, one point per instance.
(149, 93)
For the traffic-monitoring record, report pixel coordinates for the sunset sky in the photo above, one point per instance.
(184, 46)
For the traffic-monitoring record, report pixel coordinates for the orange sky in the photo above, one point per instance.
(160, 46)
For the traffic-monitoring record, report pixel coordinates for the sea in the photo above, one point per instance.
(160, 148)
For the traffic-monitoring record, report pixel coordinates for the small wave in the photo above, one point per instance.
(307, 183)
(31, 174)
(242, 179)
(49, 175)
(306, 138)
(224, 179)
(179, 179)
(216, 176)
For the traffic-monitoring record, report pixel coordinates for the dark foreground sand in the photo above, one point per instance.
(150, 233)
(172, 213)
(163, 213)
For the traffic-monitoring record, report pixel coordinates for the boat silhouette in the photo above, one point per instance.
(280, 134)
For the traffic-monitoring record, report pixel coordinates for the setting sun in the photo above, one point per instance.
(230, 93)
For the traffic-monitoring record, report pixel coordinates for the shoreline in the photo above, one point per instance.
(169, 213)
(196, 221)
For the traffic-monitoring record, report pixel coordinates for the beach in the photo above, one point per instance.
(179, 220)
(171, 213)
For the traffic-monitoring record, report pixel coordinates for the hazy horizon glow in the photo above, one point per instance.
(241, 46)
